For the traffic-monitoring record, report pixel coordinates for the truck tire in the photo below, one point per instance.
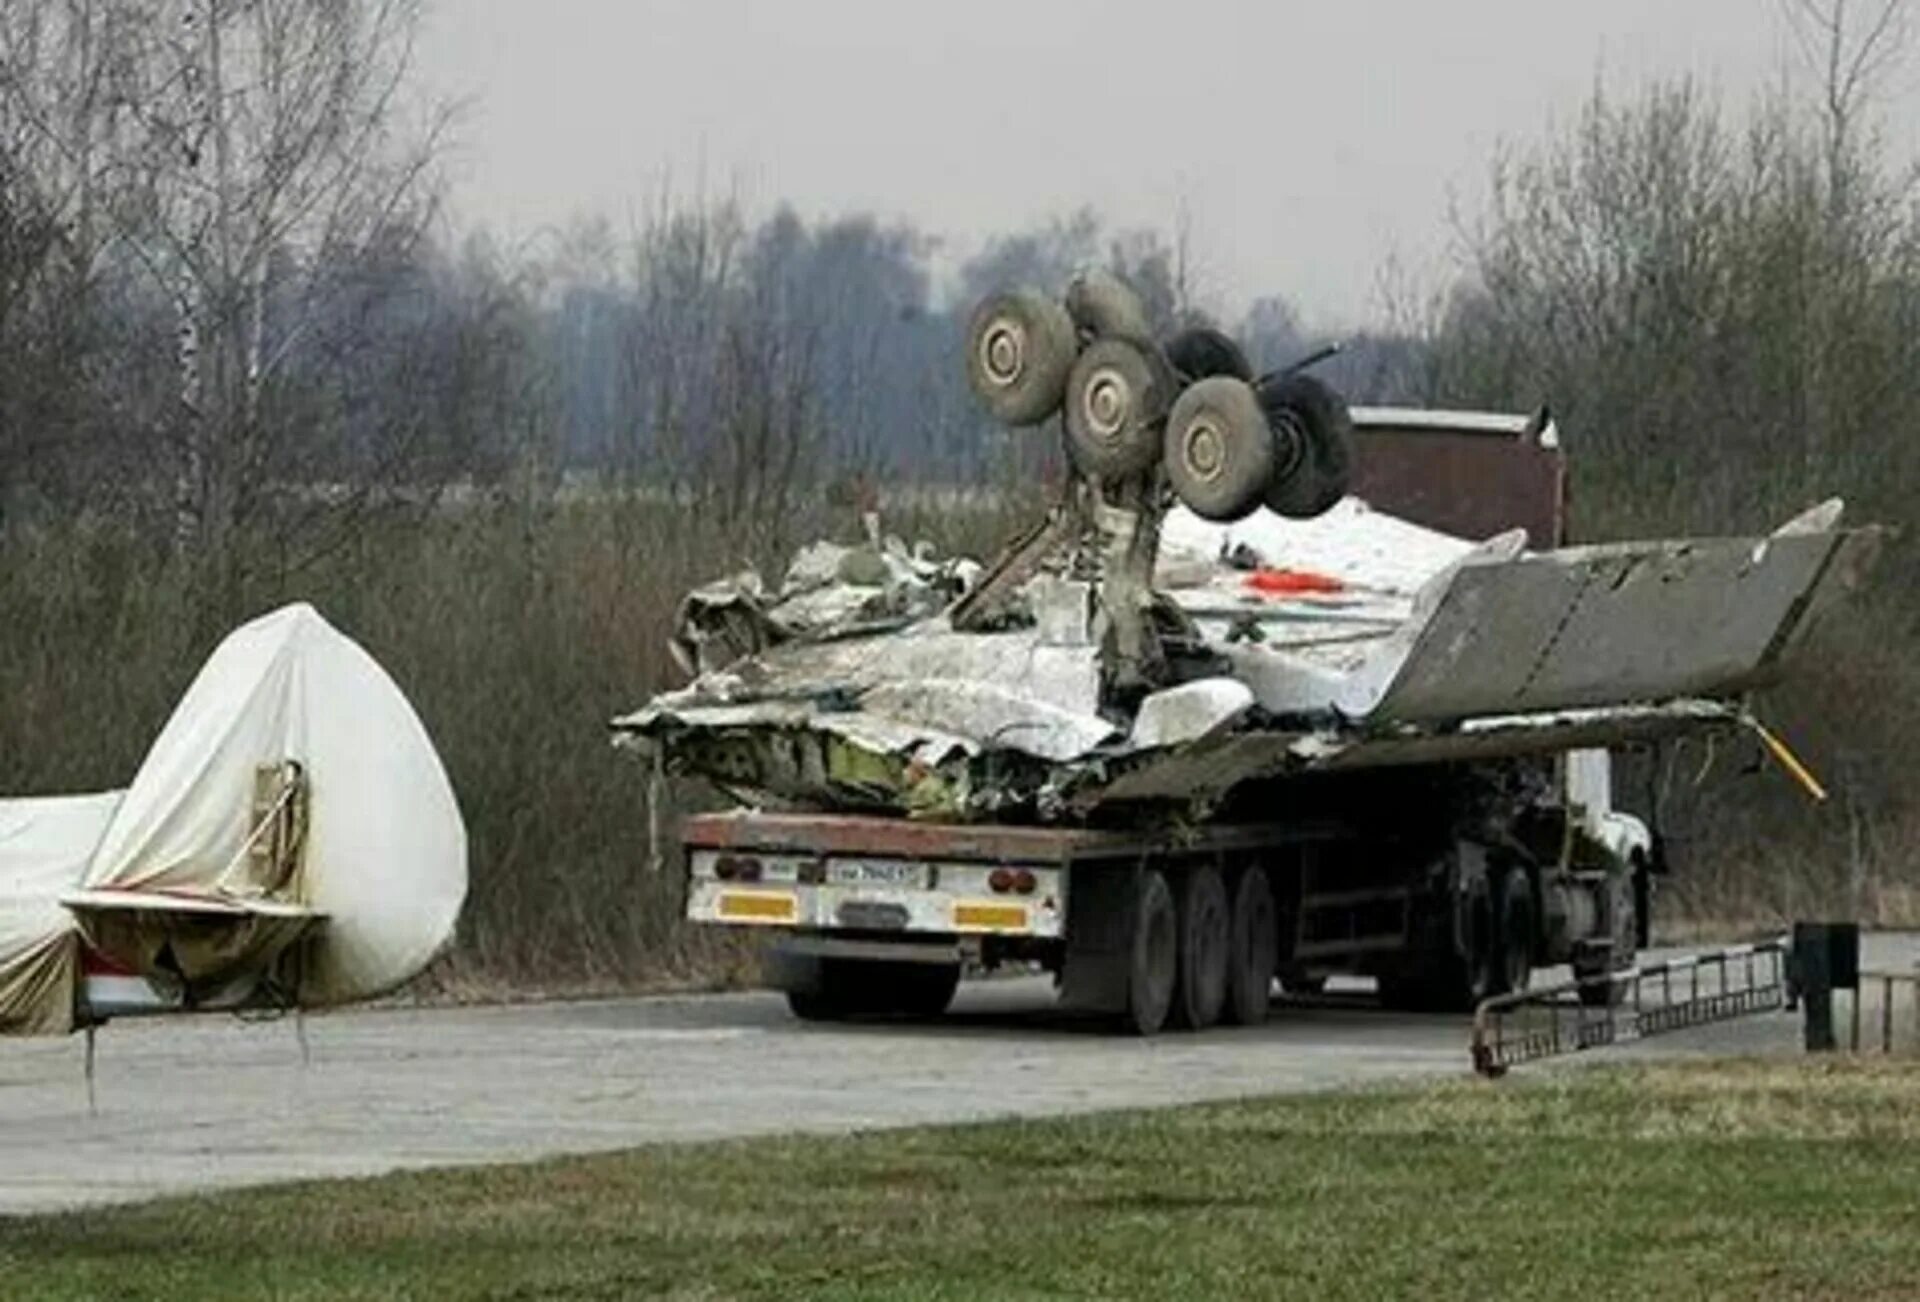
(923, 989)
(1153, 960)
(1518, 932)
(1199, 352)
(1117, 394)
(1439, 977)
(1219, 451)
(1254, 951)
(1020, 345)
(1307, 414)
(1206, 942)
(817, 989)
(834, 989)
(1620, 957)
(1105, 306)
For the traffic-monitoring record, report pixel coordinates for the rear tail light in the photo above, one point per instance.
(1024, 881)
(736, 868)
(1001, 880)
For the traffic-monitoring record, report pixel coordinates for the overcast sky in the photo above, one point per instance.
(1308, 142)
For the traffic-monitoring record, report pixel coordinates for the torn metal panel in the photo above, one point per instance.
(1599, 625)
(1176, 716)
(1209, 770)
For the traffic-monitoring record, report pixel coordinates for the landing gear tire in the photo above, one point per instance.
(1206, 940)
(1313, 437)
(1020, 346)
(1201, 351)
(1106, 307)
(1219, 451)
(1117, 393)
(1153, 960)
(1254, 950)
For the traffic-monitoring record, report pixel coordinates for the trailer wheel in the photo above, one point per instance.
(1219, 450)
(1517, 932)
(1105, 306)
(834, 989)
(1206, 939)
(923, 989)
(1201, 351)
(1020, 345)
(1117, 393)
(1154, 954)
(1313, 433)
(1254, 950)
(817, 989)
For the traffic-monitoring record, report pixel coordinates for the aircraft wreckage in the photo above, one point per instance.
(1246, 579)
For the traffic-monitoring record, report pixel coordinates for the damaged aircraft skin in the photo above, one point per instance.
(1128, 652)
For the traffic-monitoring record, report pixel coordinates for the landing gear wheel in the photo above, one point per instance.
(1153, 955)
(1313, 433)
(1020, 345)
(1254, 950)
(1201, 351)
(1206, 939)
(1117, 393)
(1219, 451)
(1106, 307)
(1517, 932)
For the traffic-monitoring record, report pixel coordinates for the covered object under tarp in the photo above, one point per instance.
(290, 838)
(45, 843)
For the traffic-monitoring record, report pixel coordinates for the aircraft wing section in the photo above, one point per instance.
(1598, 626)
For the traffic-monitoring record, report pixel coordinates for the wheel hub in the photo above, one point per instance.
(1289, 443)
(1003, 352)
(1109, 400)
(1205, 448)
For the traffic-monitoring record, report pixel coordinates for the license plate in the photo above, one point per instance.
(877, 872)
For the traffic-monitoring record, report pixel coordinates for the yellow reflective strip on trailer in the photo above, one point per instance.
(990, 917)
(759, 906)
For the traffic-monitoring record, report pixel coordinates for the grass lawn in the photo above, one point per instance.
(1790, 1179)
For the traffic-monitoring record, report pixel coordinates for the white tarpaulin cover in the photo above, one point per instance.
(44, 846)
(385, 858)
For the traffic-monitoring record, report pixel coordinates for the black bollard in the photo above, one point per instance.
(1826, 957)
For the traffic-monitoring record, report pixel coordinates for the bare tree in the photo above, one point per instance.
(242, 157)
(1851, 48)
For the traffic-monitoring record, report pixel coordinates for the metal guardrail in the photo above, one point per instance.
(1716, 986)
(1889, 986)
